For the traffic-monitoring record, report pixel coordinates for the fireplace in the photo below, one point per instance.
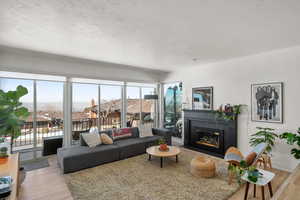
(204, 132)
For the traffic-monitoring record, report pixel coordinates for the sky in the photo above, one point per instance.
(50, 91)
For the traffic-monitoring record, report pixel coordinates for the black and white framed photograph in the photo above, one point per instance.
(267, 102)
(203, 98)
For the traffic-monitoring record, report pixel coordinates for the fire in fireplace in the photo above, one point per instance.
(205, 133)
(207, 138)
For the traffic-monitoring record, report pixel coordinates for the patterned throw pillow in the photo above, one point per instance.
(121, 133)
(91, 139)
(106, 139)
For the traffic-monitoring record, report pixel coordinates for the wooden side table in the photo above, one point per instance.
(11, 168)
(266, 179)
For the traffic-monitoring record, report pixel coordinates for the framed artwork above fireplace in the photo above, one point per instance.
(202, 98)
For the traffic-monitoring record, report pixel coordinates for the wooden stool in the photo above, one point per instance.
(265, 180)
(203, 167)
(264, 161)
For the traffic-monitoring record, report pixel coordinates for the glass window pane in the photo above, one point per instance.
(172, 108)
(148, 112)
(133, 107)
(84, 108)
(49, 97)
(110, 107)
(26, 139)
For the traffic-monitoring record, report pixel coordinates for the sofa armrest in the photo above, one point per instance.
(165, 133)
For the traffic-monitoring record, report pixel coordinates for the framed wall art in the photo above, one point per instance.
(267, 102)
(203, 98)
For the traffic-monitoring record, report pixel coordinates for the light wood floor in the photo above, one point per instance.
(45, 184)
(48, 184)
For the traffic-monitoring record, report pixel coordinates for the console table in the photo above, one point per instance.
(11, 168)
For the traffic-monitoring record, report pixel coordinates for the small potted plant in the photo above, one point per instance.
(243, 168)
(163, 145)
(3, 155)
(229, 112)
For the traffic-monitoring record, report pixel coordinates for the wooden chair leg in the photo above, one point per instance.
(270, 189)
(230, 177)
(270, 162)
(262, 192)
(254, 190)
(246, 191)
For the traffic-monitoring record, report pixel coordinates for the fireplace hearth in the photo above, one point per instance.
(206, 133)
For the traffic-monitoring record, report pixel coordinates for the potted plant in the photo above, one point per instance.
(243, 168)
(163, 145)
(229, 112)
(291, 139)
(12, 113)
(3, 155)
(264, 135)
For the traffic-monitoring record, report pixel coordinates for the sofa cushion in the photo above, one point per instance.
(151, 140)
(75, 158)
(130, 147)
(92, 139)
(121, 133)
(106, 139)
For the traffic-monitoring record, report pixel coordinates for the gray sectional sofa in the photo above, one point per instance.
(75, 158)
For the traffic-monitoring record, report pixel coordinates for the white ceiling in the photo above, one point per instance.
(155, 34)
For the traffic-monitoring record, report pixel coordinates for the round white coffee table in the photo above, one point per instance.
(154, 151)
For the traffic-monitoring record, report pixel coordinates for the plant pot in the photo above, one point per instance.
(6, 144)
(163, 147)
(3, 160)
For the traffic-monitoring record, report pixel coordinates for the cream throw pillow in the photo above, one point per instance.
(106, 139)
(91, 139)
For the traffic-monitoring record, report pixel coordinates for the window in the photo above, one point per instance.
(110, 106)
(49, 109)
(26, 140)
(45, 104)
(84, 108)
(172, 108)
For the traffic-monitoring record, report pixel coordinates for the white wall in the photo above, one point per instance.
(18, 60)
(232, 81)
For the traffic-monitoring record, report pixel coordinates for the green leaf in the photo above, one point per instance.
(21, 91)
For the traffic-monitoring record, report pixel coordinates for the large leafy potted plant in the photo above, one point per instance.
(12, 113)
(291, 139)
(264, 135)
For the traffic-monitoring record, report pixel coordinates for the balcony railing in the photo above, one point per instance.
(55, 128)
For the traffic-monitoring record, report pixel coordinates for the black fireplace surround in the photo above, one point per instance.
(207, 133)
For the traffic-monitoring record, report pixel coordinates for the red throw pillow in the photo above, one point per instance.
(121, 133)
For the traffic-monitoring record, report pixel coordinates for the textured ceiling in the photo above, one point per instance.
(156, 34)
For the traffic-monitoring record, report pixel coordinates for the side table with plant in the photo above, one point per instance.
(264, 135)
(243, 168)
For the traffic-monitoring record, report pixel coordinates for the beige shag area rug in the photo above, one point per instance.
(137, 178)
